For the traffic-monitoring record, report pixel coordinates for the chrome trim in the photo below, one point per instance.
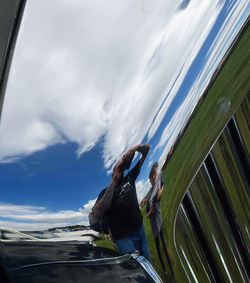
(147, 267)
(103, 261)
(8, 39)
(213, 216)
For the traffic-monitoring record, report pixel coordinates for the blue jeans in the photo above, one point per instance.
(134, 242)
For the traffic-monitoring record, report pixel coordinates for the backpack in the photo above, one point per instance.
(100, 225)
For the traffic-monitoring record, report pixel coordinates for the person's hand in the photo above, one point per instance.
(141, 147)
(151, 212)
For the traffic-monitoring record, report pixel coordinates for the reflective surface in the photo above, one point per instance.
(215, 227)
(232, 85)
(28, 262)
(234, 180)
(192, 258)
(79, 94)
(215, 212)
(86, 84)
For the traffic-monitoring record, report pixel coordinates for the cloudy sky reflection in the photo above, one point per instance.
(90, 79)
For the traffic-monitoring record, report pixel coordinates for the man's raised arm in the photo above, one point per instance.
(103, 203)
(143, 149)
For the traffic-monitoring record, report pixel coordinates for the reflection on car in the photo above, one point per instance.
(80, 84)
(7, 235)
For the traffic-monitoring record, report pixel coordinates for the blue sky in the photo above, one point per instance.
(49, 177)
(62, 131)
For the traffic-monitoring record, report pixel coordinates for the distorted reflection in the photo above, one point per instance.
(116, 211)
(86, 84)
(153, 210)
(100, 70)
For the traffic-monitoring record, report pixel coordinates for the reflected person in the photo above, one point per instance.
(153, 211)
(119, 203)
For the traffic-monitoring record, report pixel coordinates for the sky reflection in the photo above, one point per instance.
(89, 80)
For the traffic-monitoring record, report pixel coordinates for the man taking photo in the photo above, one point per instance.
(119, 204)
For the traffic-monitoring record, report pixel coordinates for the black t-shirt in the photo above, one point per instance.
(124, 214)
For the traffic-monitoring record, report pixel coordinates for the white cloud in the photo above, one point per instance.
(197, 24)
(24, 226)
(88, 206)
(30, 217)
(142, 187)
(214, 57)
(98, 74)
(12, 209)
(47, 216)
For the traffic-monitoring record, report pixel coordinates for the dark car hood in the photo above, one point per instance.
(34, 262)
(18, 254)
